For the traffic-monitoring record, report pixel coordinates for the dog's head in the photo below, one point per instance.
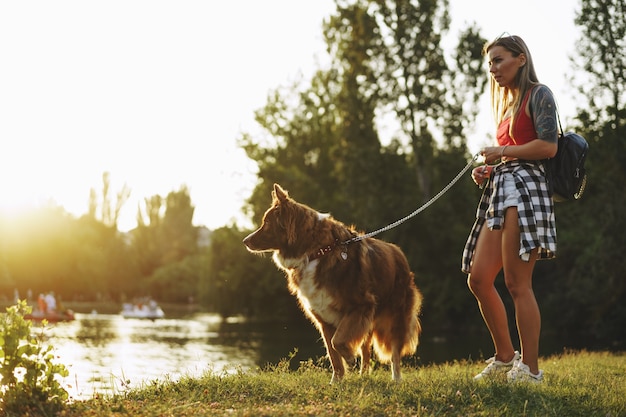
(281, 224)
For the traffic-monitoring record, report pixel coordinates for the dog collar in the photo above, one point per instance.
(322, 251)
(326, 249)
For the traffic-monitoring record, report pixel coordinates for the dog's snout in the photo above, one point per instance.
(249, 241)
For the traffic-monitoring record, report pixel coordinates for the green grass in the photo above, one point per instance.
(576, 384)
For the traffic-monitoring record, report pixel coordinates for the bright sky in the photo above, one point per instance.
(156, 92)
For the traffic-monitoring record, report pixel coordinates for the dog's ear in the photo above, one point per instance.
(287, 217)
(290, 222)
(279, 193)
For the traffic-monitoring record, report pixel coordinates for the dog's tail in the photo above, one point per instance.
(414, 325)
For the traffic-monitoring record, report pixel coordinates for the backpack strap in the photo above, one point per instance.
(547, 162)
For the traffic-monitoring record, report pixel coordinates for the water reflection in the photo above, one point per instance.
(95, 332)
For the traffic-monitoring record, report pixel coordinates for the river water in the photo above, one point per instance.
(107, 354)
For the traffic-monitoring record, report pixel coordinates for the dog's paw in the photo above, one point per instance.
(335, 379)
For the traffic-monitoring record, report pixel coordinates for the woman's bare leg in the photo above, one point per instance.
(518, 278)
(485, 267)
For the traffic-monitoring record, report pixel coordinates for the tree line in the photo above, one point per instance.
(322, 139)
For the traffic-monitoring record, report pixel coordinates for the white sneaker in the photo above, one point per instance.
(521, 373)
(496, 367)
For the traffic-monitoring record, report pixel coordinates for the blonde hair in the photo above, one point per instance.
(525, 80)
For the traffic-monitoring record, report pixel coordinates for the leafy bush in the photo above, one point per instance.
(28, 374)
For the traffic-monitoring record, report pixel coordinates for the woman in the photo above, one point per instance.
(516, 206)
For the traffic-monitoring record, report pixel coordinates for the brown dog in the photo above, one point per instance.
(358, 294)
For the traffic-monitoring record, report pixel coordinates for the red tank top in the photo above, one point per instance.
(523, 131)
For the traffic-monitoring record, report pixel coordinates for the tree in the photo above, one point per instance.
(409, 74)
(145, 238)
(101, 264)
(176, 281)
(164, 235)
(351, 36)
(107, 210)
(602, 50)
(298, 149)
(589, 270)
(180, 237)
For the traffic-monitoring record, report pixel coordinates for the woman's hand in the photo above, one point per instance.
(481, 174)
(493, 153)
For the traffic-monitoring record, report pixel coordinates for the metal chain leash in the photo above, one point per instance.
(419, 210)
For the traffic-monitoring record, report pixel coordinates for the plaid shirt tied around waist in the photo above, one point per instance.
(535, 209)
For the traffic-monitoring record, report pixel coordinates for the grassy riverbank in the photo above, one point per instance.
(577, 384)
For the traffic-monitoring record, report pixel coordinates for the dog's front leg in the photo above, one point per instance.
(328, 331)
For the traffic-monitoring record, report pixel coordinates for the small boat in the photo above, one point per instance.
(49, 309)
(150, 311)
(50, 316)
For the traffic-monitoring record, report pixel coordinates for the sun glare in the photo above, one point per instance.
(15, 209)
(13, 206)
(19, 205)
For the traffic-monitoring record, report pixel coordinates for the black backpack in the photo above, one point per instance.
(566, 171)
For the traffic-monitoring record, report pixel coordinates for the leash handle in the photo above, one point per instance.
(420, 209)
